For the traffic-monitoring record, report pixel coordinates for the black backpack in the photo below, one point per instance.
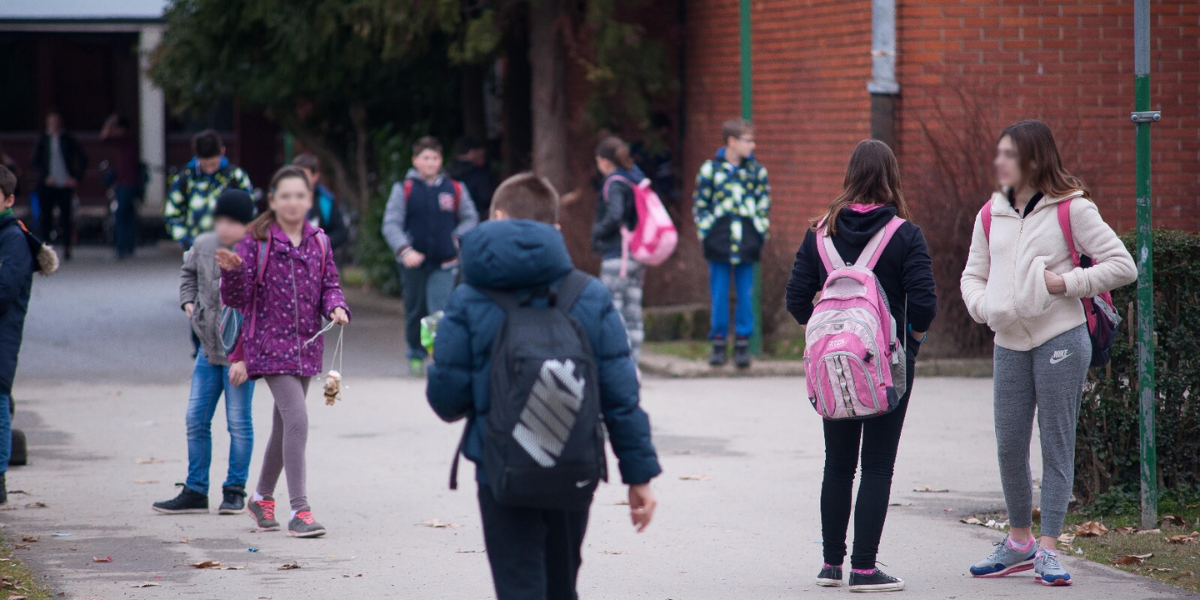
(543, 441)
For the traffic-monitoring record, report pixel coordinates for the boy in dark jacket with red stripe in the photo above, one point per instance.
(16, 279)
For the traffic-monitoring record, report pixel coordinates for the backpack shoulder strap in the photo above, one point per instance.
(508, 301)
(985, 215)
(828, 252)
(264, 254)
(408, 185)
(874, 248)
(1064, 222)
(457, 194)
(570, 288)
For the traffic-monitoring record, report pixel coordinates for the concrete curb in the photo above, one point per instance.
(664, 365)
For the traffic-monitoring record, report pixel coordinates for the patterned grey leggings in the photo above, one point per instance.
(627, 298)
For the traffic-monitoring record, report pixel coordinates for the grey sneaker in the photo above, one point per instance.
(263, 513)
(1047, 569)
(830, 576)
(303, 525)
(1005, 560)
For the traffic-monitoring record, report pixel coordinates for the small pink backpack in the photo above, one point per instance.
(653, 240)
(853, 364)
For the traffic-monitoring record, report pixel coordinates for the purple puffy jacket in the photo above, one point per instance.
(297, 291)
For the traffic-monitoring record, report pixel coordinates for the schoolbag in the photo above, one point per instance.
(853, 364)
(1102, 317)
(654, 238)
(408, 185)
(232, 319)
(543, 436)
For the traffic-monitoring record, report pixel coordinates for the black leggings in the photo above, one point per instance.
(879, 438)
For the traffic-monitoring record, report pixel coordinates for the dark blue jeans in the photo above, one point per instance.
(743, 280)
(125, 220)
(208, 383)
(5, 432)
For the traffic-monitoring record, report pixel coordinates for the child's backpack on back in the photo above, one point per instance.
(543, 435)
(654, 238)
(853, 364)
(1102, 317)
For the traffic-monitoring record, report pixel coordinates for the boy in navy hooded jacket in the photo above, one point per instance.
(534, 553)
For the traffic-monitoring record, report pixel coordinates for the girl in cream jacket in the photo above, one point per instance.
(1022, 282)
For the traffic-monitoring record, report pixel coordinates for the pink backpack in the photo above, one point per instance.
(851, 343)
(653, 240)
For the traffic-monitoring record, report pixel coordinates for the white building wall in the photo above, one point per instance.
(153, 122)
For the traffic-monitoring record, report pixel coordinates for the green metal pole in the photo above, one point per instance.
(1145, 263)
(756, 341)
(289, 147)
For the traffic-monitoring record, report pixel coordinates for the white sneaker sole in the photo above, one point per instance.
(879, 587)
(829, 582)
(186, 511)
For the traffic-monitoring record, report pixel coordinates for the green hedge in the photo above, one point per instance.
(1107, 459)
(394, 157)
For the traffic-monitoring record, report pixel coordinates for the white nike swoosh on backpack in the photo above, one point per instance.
(582, 484)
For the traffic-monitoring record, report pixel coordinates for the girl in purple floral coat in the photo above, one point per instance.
(283, 279)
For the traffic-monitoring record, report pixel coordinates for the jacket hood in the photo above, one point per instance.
(307, 232)
(412, 173)
(1001, 206)
(514, 254)
(194, 165)
(721, 155)
(858, 222)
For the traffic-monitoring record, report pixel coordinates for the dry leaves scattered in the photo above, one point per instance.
(931, 490)
(1154, 531)
(616, 552)
(30, 538)
(145, 481)
(290, 566)
(104, 559)
(439, 524)
(37, 505)
(696, 477)
(206, 564)
(1169, 520)
(144, 584)
(1091, 529)
(1190, 538)
(1066, 539)
(1125, 530)
(149, 461)
(1133, 559)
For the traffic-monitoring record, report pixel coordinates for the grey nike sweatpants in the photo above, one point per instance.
(1050, 379)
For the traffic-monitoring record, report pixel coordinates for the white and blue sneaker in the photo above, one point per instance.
(1047, 569)
(1005, 560)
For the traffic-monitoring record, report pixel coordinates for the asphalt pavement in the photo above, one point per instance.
(102, 389)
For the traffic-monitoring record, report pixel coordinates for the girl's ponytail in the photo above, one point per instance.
(614, 149)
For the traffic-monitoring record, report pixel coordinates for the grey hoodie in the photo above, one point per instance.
(200, 283)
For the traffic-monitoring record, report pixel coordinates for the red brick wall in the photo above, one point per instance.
(1069, 64)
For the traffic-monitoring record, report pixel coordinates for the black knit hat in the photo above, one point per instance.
(235, 204)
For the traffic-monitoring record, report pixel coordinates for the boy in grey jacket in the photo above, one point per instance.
(200, 298)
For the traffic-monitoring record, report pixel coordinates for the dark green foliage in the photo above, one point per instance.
(393, 151)
(1107, 447)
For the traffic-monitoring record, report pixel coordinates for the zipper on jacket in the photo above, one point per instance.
(296, 305)
(1020, 235)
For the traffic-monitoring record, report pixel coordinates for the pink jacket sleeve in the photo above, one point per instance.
(237, 286)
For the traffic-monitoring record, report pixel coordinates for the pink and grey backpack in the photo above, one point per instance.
(654, 238)
(853, 364)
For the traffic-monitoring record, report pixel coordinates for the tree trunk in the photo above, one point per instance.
(362, 143)
(335, 164)
(473, 111)
(548, 57)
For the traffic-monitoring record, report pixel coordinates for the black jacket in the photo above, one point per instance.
(478, 181)
(326, 215)
(16, 279)
(614, 209)
(73, 154)
(904, 268)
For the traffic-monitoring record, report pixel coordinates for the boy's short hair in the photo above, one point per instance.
(207, 144)
(426, 143)
(527, 196)
(8, 183)
(735, 128)
(308, 162)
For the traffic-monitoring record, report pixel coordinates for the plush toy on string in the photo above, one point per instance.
(333, 378)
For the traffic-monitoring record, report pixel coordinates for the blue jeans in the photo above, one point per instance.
(125, 220)
(208, 382)
(5, 432)
(426, 291)
(718, 280)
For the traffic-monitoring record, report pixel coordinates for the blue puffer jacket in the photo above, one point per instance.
(519, 255)
(16, 280)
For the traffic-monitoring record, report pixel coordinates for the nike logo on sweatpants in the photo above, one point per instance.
(1059, 356)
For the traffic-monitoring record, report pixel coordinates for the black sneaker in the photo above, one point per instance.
(235, 500)
(188, 501)
(877, 581)
(720, 353)
(830, 576)
(303, 525)
(741, 352)
(3, 489)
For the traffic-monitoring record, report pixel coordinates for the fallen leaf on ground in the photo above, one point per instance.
(206, 564)
(1091, 529)
(61, 534)
(931, 490)
(18, 492)
(901, 504)
(16, 597)
(615, 552)
(695, 478)
(621, 503)
(29, 538)
(101, 559)
(1159, 569)
(461, 551)
(144, 584)
(290, 566)
(1191, 538)
(149, 461)
(37, 505)
(145, 481)
(1066, 539)
(21, 546)
(1125, 530)
(233, 568)
(1154, 531)
(1132, 559)
(1173, 520)
(438, 524)
(971, 521)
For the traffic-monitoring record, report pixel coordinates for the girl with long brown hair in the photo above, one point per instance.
(283, 278)
(872, 196)
(616, 212)
(1022, 280)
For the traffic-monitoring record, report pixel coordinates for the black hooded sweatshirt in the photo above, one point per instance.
(904, 268)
